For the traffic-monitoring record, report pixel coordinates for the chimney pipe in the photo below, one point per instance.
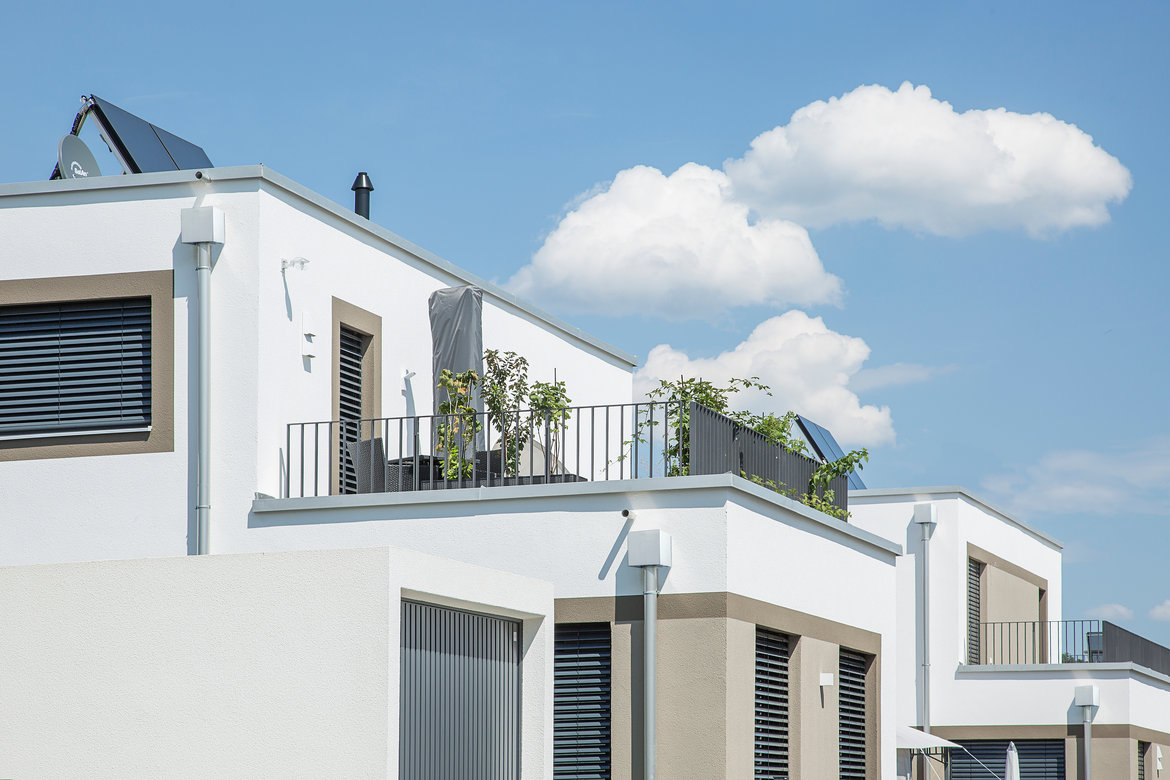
(362, 187)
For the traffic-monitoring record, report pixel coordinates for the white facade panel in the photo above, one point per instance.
(235, 666)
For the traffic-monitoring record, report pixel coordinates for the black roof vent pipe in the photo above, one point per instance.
(362, 187)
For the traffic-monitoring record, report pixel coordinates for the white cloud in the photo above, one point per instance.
(807, 366)
(675, 246)
(1111, 612)
(1133, 481)
(894, 375)
(906, 159)
(1162, 611)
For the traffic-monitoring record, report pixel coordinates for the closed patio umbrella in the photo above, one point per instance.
(1011, 767)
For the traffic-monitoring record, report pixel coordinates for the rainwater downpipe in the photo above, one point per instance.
(649, 550)
(1087, 697)
(926, 516)
(203, 226)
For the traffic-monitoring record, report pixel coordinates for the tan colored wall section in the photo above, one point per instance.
(706, 665)
(812, 710)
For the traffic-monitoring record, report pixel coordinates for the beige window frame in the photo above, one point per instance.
(159, 287)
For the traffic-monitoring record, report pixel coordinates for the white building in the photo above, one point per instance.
(985, 656)
(777, 624)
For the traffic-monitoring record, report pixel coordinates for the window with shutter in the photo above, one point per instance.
(349, 378)
(581, 701)
(852, 746)
(974, 607)
(771, 705)
(75, 367)
(1040, 759)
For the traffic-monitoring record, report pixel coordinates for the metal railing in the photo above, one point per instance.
(1066, 642)
(1038, 642)
(475, 449)
(527, 447)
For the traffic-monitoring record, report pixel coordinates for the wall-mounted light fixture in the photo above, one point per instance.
(826, 679)
(298, 263)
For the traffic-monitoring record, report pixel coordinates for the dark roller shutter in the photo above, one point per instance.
(1142, 747)
(771, 705)
(581, 702)
(349, 375)
(974, 569)
(851, 717)
(460, 695)
(1040, 759)
(74, 367)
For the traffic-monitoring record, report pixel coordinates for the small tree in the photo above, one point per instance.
(456, 430)
(504, 389)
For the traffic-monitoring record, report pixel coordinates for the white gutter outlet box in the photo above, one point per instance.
(1087, 696)
(925, 513)
(203, 225)
(649, 548)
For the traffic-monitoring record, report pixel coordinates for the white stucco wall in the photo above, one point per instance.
(962, 520)
(126, 506)
(234, 666)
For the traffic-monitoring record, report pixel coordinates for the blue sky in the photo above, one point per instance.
(999, 312)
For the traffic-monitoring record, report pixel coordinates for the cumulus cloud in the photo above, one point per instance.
(1136, 480)
(1111, 612)
(807, 365)
(1162, 611)
(676, 246)
(907, 159)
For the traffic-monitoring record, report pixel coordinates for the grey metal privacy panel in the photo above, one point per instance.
(581, 701)
(974, 610)
(852, 746)
(771, 740)
(457, 338)
(720, 445)
(75, 366)
(1040, 759)
(460, 695)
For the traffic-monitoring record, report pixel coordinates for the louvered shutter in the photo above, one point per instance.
(460, 695)
(1142, 747)
(1040, 759)
(581, 701)
(349, 377)
(974, 570)
(771, 705)
(74, 367)
(851, 714)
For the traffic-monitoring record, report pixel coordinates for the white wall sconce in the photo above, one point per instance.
(826, 679)
(298, 263)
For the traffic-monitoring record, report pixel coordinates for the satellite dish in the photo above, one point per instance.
(74, 159)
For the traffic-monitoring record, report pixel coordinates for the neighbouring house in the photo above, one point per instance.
(363, 551)
(986, 655)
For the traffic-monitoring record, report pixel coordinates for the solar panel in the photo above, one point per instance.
(826, 447)
(139, 146)
(145, 147)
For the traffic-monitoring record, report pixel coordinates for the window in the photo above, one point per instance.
(1040, 759)
(357, 389)
(771, 705)
(74, 367)
(460, 695)
(581, 701)
(1142, 747)
(852, 714)
(87, 365)
(974, 610)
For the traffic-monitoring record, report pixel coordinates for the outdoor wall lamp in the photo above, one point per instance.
(298, 263)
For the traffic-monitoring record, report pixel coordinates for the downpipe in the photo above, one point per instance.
(203, 456)
(650, 666)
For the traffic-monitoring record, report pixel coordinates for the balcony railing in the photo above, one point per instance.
(1066, 642)
(527, 447)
